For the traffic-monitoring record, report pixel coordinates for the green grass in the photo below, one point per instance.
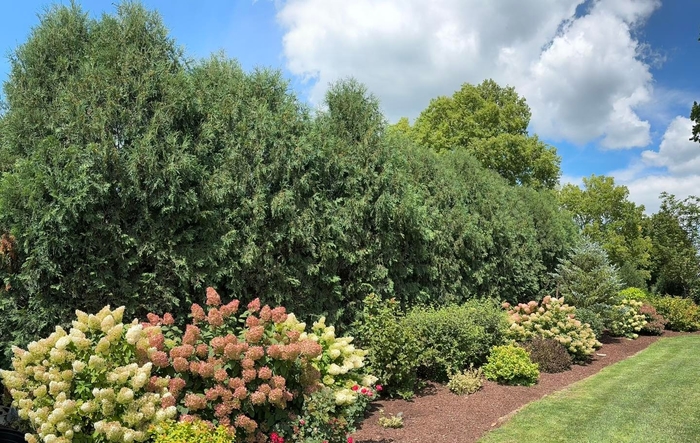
(653, 396)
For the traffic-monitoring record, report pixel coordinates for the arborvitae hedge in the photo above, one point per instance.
(131, 175)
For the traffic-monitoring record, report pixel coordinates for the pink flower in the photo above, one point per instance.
(175, 385)
(213, 298)
(153, 319)
(157, 341)
(218, 343)
(202, 350)
(302, 422)
(180, 364)
(254, 334)
(255, 352)
(355, 388)
(257, 398)
(265, 373)
(254, 306)
(279, 315)
(249, 375)
(252, 321)
(363, 391)
(350, 440)
(215, 318)
(379, 388)
(197, 312)
(192, 334)
(160, 359)
(168, 401)
(278, 381)
(230, 308)
(195, 402)
(168, 319)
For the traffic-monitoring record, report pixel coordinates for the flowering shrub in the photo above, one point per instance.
(625, 319)
(656, 323)
(88, 384)
(511, 365)
(681, 314)
(552, 319)
(392, 349)
(195, 431)
(592, 318)
(549, 354)
(249, 370)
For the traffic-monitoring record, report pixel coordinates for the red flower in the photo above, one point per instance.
(350, 440)
(355, 388)
(379, 388)
(363, 391)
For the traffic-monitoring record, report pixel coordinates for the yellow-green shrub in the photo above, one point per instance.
(511, 365)
(195, 431)
(552, 319)
(682, 314)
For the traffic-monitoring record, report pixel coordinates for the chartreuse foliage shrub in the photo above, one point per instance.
(89, 384)
(634, 294)
(250, 370)
(456, 336)
(552, 319)
(625, 320)
(681, 314)
(392, 348)
(143, 182)
(550, 355)
(194, 431)
(511, 365)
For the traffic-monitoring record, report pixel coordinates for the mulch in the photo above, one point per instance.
(438, 415)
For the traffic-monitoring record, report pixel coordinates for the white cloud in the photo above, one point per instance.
(679, 160)
(676, 152)
(584, 76)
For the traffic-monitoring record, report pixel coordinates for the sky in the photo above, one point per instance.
(610, 82)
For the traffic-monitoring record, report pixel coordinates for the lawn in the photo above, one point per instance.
(653, 396)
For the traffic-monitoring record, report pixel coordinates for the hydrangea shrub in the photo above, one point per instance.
(625, 320)
(89, 384)
(552, 318)
(249, 369)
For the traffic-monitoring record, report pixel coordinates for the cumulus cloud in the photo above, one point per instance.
(674, 168)
(584, 75)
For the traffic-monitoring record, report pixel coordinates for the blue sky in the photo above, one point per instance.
(610, 82)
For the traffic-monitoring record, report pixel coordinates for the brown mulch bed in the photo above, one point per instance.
(437, 415)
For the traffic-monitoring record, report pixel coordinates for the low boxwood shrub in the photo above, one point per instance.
(392, 349)
(89, 384)
(656, 323)
(591, 318)
(681, 314)
(550, 355)
(466, 382)
(552, 319)
(624, 319)
(454, 337)
(511, 365)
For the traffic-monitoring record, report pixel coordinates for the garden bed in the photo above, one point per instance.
(437, 415)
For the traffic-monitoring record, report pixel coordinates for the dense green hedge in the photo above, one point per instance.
(134, 176)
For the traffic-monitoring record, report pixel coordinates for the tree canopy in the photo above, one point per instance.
(490, 122)
(604, 213)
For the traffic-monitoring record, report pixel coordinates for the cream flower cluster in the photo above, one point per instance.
(628, 321)
(552, 319)
(88, 379)
(339, 363)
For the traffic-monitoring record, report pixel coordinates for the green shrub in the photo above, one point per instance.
(454, 337)
(550, 355)
(196, 431)
(681, 314)
(511, 365)
(656, 323)
(634, 294)
(392, 421)
(591, 318)
(392, 349)
(552, 319)
(466, 382)
(587, 277)
(624, 319)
